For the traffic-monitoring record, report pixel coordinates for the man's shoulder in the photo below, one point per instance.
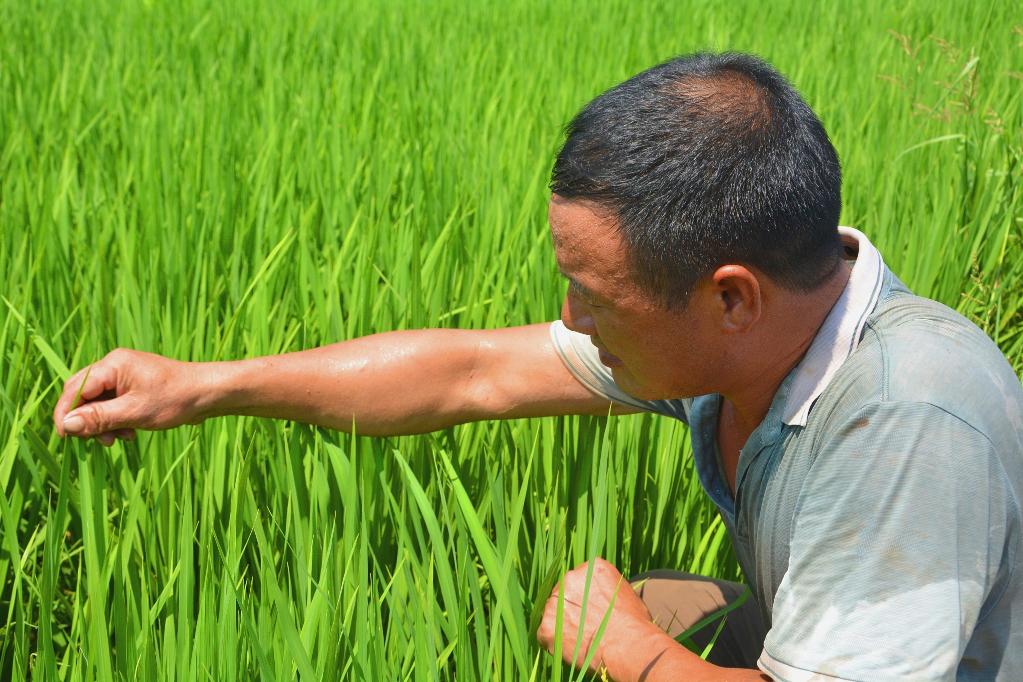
(916, 350)
(935, 355)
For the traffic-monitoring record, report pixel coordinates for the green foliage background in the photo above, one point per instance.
(220, 180)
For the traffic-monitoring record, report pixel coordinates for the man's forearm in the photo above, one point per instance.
(385, 384)
(650, 655)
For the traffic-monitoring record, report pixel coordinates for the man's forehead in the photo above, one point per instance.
(588, 247)
(572, 219)
(554, 236)
(556, 202)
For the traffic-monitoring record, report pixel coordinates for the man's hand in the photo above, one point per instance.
(632, 647)
(126, 390)
(609, 590)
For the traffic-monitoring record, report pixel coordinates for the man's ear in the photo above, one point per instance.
(738, 297)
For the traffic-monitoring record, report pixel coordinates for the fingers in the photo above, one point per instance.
(66, 397)
(600, 565)
(98, 379)
(576, 635)
(574, 590)
(109, 438)
(103, 419)
(548, 623)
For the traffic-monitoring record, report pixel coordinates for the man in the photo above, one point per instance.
(863, 445)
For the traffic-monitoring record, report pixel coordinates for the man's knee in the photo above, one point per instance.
(679, 601)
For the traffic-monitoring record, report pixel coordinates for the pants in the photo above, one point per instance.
(677, 601)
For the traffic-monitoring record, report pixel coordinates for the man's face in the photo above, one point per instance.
(653, 352)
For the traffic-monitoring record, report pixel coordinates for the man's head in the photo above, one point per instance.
(704, 160)
(708, 172)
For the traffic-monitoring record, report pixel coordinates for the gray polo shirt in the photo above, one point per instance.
(877, 514)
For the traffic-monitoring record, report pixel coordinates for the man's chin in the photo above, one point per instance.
(637, 389)
(608, 360)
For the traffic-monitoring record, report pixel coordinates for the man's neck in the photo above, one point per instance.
(789, 332)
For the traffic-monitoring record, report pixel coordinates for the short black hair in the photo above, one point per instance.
(708, 159)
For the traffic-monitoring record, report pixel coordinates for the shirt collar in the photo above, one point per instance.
(840, 333)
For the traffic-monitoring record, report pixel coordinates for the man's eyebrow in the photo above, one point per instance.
(572, 282)
(579, 288)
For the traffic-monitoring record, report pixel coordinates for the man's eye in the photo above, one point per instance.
(582, 295)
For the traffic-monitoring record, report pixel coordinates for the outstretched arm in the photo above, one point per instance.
(384, 384)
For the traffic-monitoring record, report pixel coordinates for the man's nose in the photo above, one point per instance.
(576, 316)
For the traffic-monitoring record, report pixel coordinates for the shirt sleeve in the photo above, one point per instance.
(897, 549)
(583, 361)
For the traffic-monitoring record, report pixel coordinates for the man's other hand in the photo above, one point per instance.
(609, 590)
(126, 390)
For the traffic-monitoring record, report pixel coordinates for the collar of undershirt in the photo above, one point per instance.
(841, 331)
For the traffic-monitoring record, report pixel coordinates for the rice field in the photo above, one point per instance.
(222, 180)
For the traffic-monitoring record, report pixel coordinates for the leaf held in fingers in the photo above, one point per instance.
(81, 387)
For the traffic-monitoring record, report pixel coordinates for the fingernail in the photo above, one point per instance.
(74, 424)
